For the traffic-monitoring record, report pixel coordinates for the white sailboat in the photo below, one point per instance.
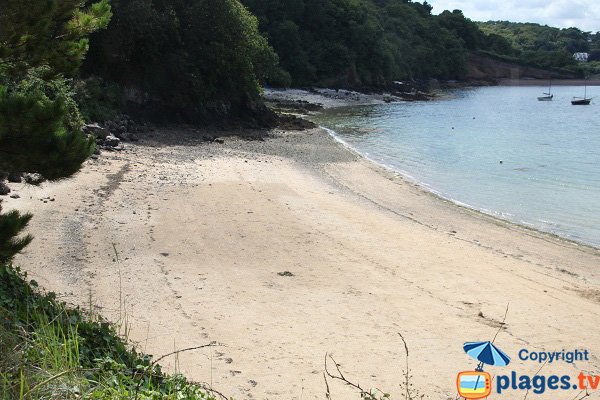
(547, 96)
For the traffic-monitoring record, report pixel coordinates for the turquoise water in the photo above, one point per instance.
(495, 149)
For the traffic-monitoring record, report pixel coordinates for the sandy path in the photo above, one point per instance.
(204, 231)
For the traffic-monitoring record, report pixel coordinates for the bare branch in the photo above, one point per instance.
(364, 394)
(211, 344)
(327, 392)
(501, 323)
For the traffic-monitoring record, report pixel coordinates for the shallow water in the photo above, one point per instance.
(496, 149)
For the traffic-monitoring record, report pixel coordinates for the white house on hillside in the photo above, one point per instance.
(583, 57)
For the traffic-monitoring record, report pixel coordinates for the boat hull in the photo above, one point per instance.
(582, 102)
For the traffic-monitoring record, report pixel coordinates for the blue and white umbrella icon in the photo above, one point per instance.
(486, 353)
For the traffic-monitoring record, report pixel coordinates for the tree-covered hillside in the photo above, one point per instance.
(195, 60)
(534, 37)
(368, 42)
(542, 45)
(188, 59)
(207, 59)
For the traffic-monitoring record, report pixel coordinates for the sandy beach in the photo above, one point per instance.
(288, 247)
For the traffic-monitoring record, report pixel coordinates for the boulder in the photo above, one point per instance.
(112, 141)
(4, 189)
(33, 178)
(15, 177)
(96, 131)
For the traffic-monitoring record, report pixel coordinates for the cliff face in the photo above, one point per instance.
(486, 68)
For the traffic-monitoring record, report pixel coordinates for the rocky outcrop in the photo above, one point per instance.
(111, 134)
(96, 131)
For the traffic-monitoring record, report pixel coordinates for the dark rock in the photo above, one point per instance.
(285, 273)
(96, 131)
(33, 178)
(293, 123)
(15, 196)
(219, 140)
(4, 189)
(112, 141)
(15, 177)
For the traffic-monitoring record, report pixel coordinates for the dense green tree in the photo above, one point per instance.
(40, 126)
(539, 45)
(366, 42)
(11, 227)
(50, 32)
(186, 59)
(464, 28)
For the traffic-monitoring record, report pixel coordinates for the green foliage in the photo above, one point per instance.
(591, 68)
(188, 59)
(539, 45)
(98, 99)
(465, 29)
(367, 42)
(11, 226)
(40, 124)
(40, 128)
(51, 32)
(50, 351)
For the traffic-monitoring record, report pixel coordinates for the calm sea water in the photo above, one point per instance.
(495, 149)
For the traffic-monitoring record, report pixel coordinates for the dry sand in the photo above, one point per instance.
(292, 247)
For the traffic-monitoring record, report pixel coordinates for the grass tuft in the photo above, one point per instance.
(51, 351)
